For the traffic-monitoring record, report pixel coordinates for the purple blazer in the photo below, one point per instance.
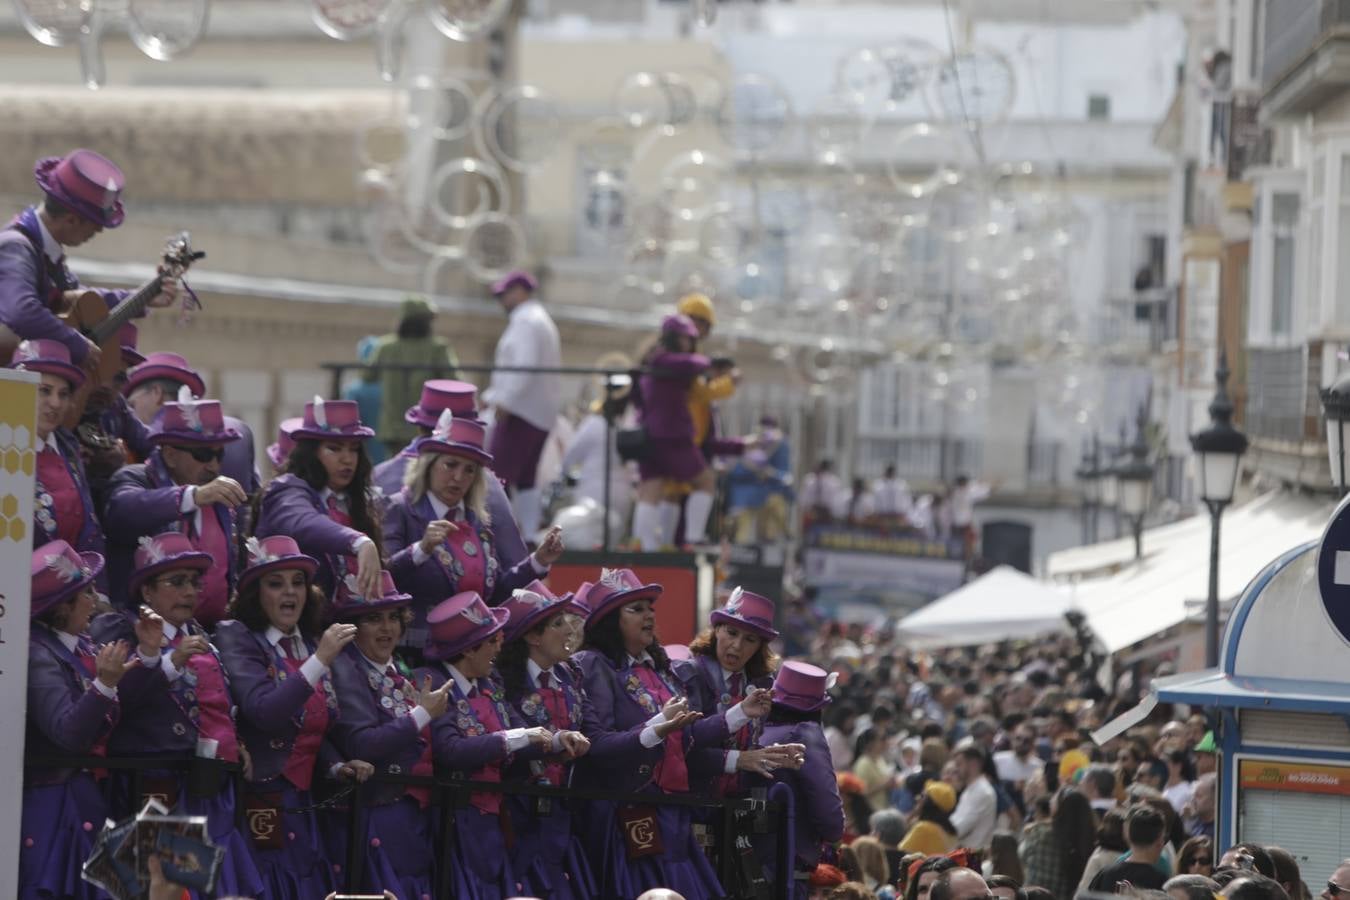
(271, 701)
(819, 811)
(511, 549)
(119, 421)
(453, 748)
(143, 501)
(66, 715)
(291, 507)
(367, 730)
(664, 402)
(430, 582)
(702, 679)
(613, 721)
(238, 462)
(28, 280)
(91, 533)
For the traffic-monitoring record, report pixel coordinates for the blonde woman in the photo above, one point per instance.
(438, 531)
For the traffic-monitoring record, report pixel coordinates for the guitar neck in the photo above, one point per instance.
(127, 310)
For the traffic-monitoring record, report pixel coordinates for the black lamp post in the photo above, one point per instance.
(1135, 484)
(1336, 411)
(1090, 474)
(1219, 449)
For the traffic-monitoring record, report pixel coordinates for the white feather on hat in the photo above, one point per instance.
(320, 417)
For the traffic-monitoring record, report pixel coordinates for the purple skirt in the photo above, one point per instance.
(481, 865)
(548, 857)
(673, 459)
(301, 869)
(682, 867)
(398, 850)
(60, 823)
(516, 448)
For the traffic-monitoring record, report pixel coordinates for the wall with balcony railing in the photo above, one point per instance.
(1291, 28)
(1282, 393)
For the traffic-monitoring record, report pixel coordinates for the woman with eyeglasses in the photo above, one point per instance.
(177, 704)
(180, 488)
(63, 507)
(1196, 857)
(325, 499)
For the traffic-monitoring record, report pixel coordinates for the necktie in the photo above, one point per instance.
(297, 650)
(737, 687)
(333, 505)
(473, 690)
(544, 680)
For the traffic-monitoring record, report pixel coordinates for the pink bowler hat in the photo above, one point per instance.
(440, 394)
(126, 337)
(462, 622)
(579, 598)
(679, 323)
(511, 279)
(87, 183)
(750, 611)
(51, 357)
(192, 422)
(159, 365)
(614, 588)
(802, 686)
(533, 604)
(271, 554)
(349, 604)
(458, 437)
(677, 652)
(332, 420)
(279, 452)
(164, 553)
(60, 573)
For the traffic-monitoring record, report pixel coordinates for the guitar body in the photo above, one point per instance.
(85, 311)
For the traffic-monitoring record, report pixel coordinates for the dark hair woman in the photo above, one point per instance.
(1055, 853)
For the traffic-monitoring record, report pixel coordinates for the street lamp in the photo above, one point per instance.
(1219, 448)
(1336, 411)
(1135, 484)
(1090, 474)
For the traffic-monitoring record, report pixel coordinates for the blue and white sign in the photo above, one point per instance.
(1333, 569)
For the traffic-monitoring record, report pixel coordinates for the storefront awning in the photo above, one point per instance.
(1003, 604)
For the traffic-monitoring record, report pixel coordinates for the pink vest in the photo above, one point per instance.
(671, 774)
(560, 719)
(66, 506)
(299, 769)
(486, 712)
(213, 704)
(472, 561)
(215, 595)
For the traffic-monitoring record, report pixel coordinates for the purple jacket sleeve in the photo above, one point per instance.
(135, 508)
(360, 732)
(71, 724)
(818, 789)
(136, 683)
(597, 715)
(20, 307)
(270, 707)
(286, 510)
(679, 365)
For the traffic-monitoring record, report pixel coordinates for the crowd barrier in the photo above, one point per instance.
(765, 812)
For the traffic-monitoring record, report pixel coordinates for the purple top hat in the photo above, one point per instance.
(127, 338)
(440, 394)
(192, 422)
(165, 365)
(579, 600)
(615, 588)
(279, 451)
(163, 553)
(273, 553)
(60, 573)
(51, 357)
(461, 622)
(802, 686)
(678, 323)
(533, 604)
(458, 437)
(750, 611)
(349, 604)
(86, 182)
(332, 420)
(518, 277)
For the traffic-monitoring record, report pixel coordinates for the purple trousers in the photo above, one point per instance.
(60, 823)
(516, 448)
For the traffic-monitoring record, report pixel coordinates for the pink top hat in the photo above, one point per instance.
(518, 277)
(273, 553)
(51, 357)
(86, 182)
(615, 588)
(750, 611)
(193, 422)
(165, 365)
(348, 604)
(332, 420)
(579, 598)
(802, 686)
(678, 323)
(677, 652)
(163, 553)
(60, 573)
(127, 338)
(460, 623)
(458, 437)
(440, 394)
(534, 604)
(281, 450)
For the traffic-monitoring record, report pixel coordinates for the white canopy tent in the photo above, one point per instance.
(1003, 604)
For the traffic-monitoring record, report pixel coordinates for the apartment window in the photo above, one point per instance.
(1343, 243)
(1284, 233)
(1099, 107)
(602, 201)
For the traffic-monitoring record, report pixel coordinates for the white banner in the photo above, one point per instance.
(18, 460)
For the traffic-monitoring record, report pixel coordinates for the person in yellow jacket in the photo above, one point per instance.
(933, 832)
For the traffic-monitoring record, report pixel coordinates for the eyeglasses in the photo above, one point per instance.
(181, 581)
(203, 454)
(1335, 890)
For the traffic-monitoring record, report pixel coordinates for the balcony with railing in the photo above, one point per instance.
(1305, 54)
(1283, 415)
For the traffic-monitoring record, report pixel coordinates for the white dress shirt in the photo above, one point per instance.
(586, 454)
(50, 246)
(976, 814)
(72, 643)
(530, 339)
(312, 669)
(892, 497)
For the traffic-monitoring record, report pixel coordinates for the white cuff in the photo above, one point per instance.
(171, 672)
(419, 555)
(655, 720)
(557, 742)
(361, 542)
(110, 693)
(736, 718)
(313, 669)
(733, 757)
(189, 502)
(335, 770)
(150, 662)
(539, 568)
(421, 718)
(649, 738)
(516, 739)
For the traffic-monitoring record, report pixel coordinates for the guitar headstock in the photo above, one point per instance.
(179, 255)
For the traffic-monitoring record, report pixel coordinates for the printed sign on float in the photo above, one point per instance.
(1294, 777)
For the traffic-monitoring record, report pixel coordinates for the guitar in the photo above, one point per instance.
(88, 313)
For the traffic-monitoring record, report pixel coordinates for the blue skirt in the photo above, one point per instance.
(548, 857)
(60, 823)
(301, 869)
(398, 850)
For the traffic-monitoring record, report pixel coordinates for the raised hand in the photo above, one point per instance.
(674, 706)
(435, 702)
(111, 663)
(757, 703)
(574, 743)
(435, 535)
(187, 648)
(334, 639)
(222, 490)
(368, 569)
(149, 632)
(551, 548)
(683, 720)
